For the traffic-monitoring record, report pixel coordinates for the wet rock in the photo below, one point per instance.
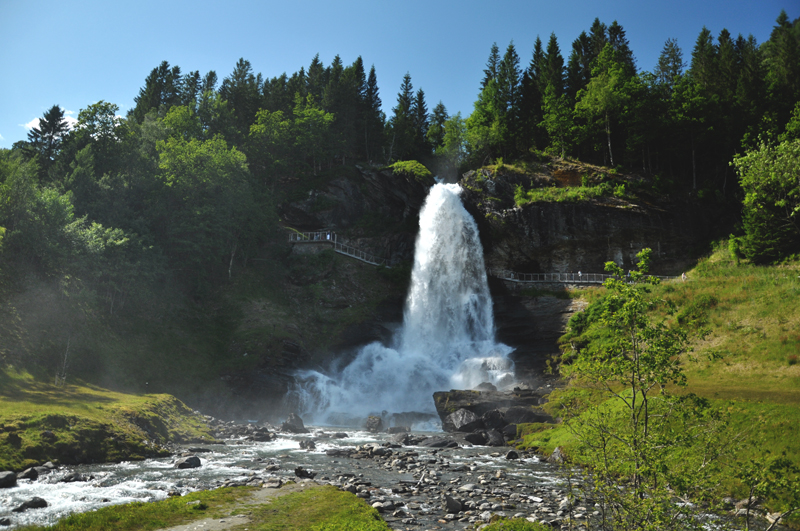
(452, 505)
(462, 420)
(494, 438)
(437, 442)
(477, 437)
(522, 415)
(5, 521)
(302, 473)
(293, 424)
(557, 456)
(7, 479)
(373, 424)
(308, 445)
(33, 503)
(485, 386)
(339, 452)
(398, 429)
(509, 431)
(29, 473)
(402, 438)
(191, 461)
(339, 435)
(512, 454)
(74, 477)
(494, 420)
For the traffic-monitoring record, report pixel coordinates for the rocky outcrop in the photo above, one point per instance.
(545, 237)
(375, 209)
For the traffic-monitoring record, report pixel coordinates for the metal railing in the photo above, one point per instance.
(560, 278)
(341, 248)
(329, 237)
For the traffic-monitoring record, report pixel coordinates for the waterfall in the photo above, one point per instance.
(447, 338)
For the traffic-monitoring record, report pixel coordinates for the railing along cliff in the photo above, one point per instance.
(331, 238)
(341, 248)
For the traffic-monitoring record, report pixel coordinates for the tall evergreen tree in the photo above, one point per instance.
(46, 139)
(419, 111)
(242, 90)
(553, 70)
(670, 65)
(492, 66)
(436, 130)
(162, 87)
(401, 126)
(579, 66)
(374, 119)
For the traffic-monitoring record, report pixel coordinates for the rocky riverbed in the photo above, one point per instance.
(416, 480)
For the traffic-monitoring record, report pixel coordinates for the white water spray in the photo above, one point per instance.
(447, 338)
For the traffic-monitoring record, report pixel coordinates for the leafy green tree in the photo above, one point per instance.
(486, 130)
(557, 120)
(207, 205)
(605, 94)
(770, 178)
(454, 146)
(313, 143)
(625, 439)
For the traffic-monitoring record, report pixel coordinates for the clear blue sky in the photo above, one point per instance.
(74, 53)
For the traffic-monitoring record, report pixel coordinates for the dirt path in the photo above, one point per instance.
(264, 495)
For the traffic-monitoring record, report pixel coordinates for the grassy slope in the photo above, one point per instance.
(751, 317)
(311, 508)
(79, 423)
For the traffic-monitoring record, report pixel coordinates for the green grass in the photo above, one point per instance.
(87, 423)
(141, 516)
(516, 524)
(318, 509)
(414, 169)
(313, 509)
(746, 336)
(573, 194)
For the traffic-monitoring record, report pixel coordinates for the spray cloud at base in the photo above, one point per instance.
(446, 340)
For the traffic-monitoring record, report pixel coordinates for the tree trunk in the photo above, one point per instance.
(608, 135)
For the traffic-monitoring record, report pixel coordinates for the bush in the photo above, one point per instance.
(414, 169)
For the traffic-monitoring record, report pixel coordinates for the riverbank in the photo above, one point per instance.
(77, 423)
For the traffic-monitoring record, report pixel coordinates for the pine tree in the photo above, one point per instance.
(401, 126)
(242, 90)
(670, 65)
(162, 90)
(509, 95)
(436, 130)
(579, 66)
(419, 111)
(492, 65)
(46, 139)
(374, 119)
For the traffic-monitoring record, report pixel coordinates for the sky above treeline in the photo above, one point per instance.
(75, 53)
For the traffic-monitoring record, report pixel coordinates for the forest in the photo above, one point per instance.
(185, 189)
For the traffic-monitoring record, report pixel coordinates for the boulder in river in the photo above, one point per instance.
(34, 503)
(462, 420)
(373, 424)
(29, 473)
(438, 442)
(191, 461)
(476, 437)
(494, 438)
(293, 424)
(494, 420)
(7, 479)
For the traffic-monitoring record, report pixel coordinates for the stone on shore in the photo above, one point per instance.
(462, 420)
(293, 424)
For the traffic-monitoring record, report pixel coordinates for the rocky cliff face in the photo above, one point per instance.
(374, 210)
(566, 237)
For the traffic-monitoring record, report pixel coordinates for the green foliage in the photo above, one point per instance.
(770, 178)
(560, 195)
(516, 524)
(623, 437)
(412, 168)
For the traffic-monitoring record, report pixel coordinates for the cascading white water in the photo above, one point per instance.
(447, 337)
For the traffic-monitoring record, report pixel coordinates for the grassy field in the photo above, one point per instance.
(290, 508)
(76, 423)
(745, 337)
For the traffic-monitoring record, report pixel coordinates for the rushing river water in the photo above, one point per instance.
(240, 461)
